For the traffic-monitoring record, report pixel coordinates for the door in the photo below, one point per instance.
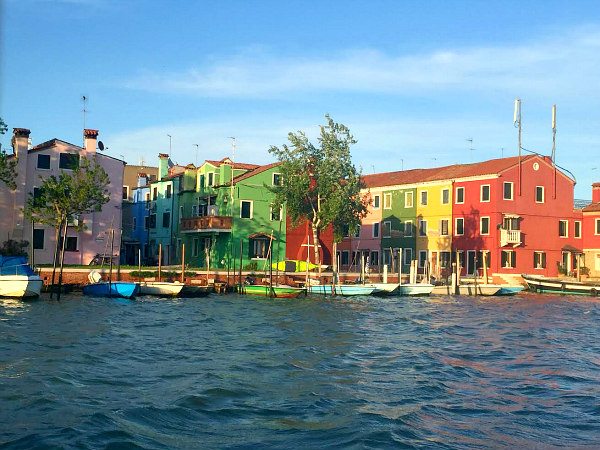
(470, 262)
(597, 262)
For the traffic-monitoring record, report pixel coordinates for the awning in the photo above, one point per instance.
(570, 248)
(261, 236)
(511, 216)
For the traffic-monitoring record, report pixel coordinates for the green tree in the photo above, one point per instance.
(320, 184)
(61, 199)
(7, 165)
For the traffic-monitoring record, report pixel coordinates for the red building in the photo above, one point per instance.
(520, 212)
(591, 232)
(300, 239)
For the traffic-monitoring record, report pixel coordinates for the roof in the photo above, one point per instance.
(592, 207)
(51, 143)
(251, 173)
(236, 165)
(490, 167)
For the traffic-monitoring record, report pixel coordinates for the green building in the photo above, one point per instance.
(398, 222)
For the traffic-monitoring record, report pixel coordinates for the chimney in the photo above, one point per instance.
(596, 192)
(163, 165)
(20, 141)
(90, 138)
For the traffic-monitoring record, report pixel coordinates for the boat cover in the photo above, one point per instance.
(15, 265)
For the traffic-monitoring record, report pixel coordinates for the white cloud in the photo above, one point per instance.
(566, 64)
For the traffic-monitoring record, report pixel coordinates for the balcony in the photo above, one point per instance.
(212, 224)
(510, 237)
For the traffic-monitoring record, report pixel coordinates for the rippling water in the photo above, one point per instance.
(238, 372)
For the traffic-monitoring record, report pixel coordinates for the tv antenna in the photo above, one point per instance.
(470, 141)
(197, 146)
(553, 134)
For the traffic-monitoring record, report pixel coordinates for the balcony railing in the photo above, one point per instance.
(510, 237)
(216, 224)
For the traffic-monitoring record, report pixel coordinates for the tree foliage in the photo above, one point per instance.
(319, 182)
(66, 196)
(7, 165)
(14, 248)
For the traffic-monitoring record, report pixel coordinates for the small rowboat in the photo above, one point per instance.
(537, 283)
(415, 289)
(345, 290)
(272, 291)
(123, 289)
(468, 289)
(161, 288)
(293, 265)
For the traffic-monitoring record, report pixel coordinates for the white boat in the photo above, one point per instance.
(468, 289)
(538, 283)
(17, 278)
(384, 288)
(415, 289)
(161, 288)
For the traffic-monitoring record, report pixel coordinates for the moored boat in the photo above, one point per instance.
(196, 291)
(161, 288)
(538, 283)
(123, 289)
(344, 290)
(468, 289)
(415, 289)
(278, 291)
(294, 265)
(17, 278)
(384, 288)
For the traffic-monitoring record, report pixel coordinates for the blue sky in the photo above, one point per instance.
(412, 79)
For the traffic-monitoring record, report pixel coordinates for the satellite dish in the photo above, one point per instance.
(101, 145)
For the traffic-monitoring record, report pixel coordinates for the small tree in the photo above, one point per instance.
(7, 165)
(61, 199)
(14, 248)
(320, 183)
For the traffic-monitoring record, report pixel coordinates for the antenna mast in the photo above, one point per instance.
(517, 123)
(470, 141)
(554, 134)
(84, 99)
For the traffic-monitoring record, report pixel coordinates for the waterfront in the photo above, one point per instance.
(239, 372)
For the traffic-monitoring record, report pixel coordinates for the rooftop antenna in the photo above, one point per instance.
(554, 134)
(84, 99)
(470, 141)
(197, 146)
(373, 167)
(233, 145)
(517, 124)
(170, 148)
(402, 163)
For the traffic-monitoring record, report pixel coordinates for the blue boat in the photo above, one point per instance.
(345, 290)
(123, 289)
(510, 290)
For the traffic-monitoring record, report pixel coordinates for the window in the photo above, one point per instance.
(259, 248)
(408, 256)
(38, 239)
(509, 259)
(376, 202)
(169, 189)
(147, 196)
(444, 227)
(445, 258)
(422, 258)
(277, 180)
(539, 260)
(485, 193)
(445, 196)
(345, 257)
(195, 247)
(245, 209)
(459, 226)
(408, 199)
(508, 190)
(460, 195)
(154, 193)
(374, 261)
(146, 222)
(480, 257)
(577, 230)
(387, 201)
(43, 162)
(597, 227)
(423, 198)
(276, 214)
(408, 228)
(68, 161)
(180, 214)
(211, 178)
(152, 221)
(166, 220)
(461, 258)
(484, 225)
(376, 230)
(563, 228)
(37, 195)
(125, 192)
(134, 223)
(71, 244)
(422, 227)
(539, 194)
(357, 233)
(387, 229)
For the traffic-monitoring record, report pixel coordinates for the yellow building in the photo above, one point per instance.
(434, 226)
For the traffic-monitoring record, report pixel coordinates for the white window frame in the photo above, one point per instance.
(577, 235)
(481, 225)
(251, 209)
(128, 192)
(512, 190)
(376, 227)
(426, 192)
(442, 228)
(273, 179)
(481, 193)
(409, 224)
(597, 227)
(509, 260)
(442, 196)
(389, 222)
(271, 214)
(541, 260)
(376, 201)
(387, 200)
(210, 179)
(543, 194)
(405, 252)
(462, 189)
(456, 226)
(422, 263)
(566, 228)
(421, 221)
(408, 195)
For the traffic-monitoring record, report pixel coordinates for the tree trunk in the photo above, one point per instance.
(315, 232)
(62, 258)
(55, 260)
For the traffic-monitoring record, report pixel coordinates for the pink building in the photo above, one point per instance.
(51, 158)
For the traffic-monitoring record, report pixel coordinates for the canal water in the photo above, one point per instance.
(237, 372)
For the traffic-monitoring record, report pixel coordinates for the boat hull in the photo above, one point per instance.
(294, 265)
(272, 291)
(344, 290)
(418, 289)
(20, 286)
(191, 291)
(160, 288)
(537, 283)
(116, 289)
(384, 288)
(468, 289)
